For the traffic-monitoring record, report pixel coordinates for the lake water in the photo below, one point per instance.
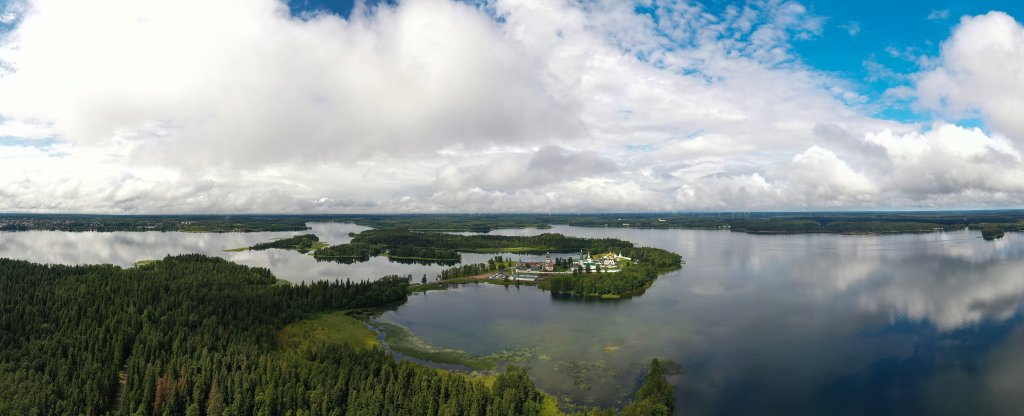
(125, 248)
(797, 325)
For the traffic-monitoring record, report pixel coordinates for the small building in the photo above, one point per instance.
(529, 266)
(607, 263)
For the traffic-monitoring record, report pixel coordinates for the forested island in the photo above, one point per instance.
(427, 245)
(636, 274)
(647, 263)
(995, 221)
(349, 252)
(301, 243)
(196, 335)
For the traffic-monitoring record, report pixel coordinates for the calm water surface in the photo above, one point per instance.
(125, 248)
(797, 325)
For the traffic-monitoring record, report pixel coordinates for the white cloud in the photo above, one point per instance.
(938, 14)
(435, 105)
(949, 164)
(242, 78)
(853, 28)
(25, 130)
(980, 73)
(822, 176)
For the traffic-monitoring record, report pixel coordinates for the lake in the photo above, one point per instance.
(759, 324)
(126, 248)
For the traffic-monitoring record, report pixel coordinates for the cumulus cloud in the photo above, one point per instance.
(245, 83)
(949, 162)
(980, 73)
(499, 105)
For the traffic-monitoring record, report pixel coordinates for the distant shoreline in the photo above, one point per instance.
(993, 224)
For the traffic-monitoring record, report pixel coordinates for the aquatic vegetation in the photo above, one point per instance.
(514, 355)
(583, 373)
(402, 340)
(611, 347)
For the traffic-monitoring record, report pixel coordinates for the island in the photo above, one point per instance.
(992, 233)
(437, 246)
(613, 275)
(620, 270)
(349, 252)
(302, 243)
(627, 272)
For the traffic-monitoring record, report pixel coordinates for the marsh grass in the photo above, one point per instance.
(402, 340)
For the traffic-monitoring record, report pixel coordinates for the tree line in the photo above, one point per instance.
(751, 222)
(444, 247)
(655, 397)
(629, 279)
(464, 270)
(357, 251)
(196, 335)
(303, 243)
(189, 223)
(537, 244)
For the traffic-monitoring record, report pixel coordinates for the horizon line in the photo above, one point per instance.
(561, 213)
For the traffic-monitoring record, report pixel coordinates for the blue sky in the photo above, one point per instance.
(891, 34)
(340, 7)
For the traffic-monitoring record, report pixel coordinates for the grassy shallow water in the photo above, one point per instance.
(401, 340)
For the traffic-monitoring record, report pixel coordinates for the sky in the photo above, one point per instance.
(319, 106)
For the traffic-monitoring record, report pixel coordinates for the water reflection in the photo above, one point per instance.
(126, 248)
(448, 263)
(805, 324)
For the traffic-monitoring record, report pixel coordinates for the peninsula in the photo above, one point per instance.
(302, 243)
